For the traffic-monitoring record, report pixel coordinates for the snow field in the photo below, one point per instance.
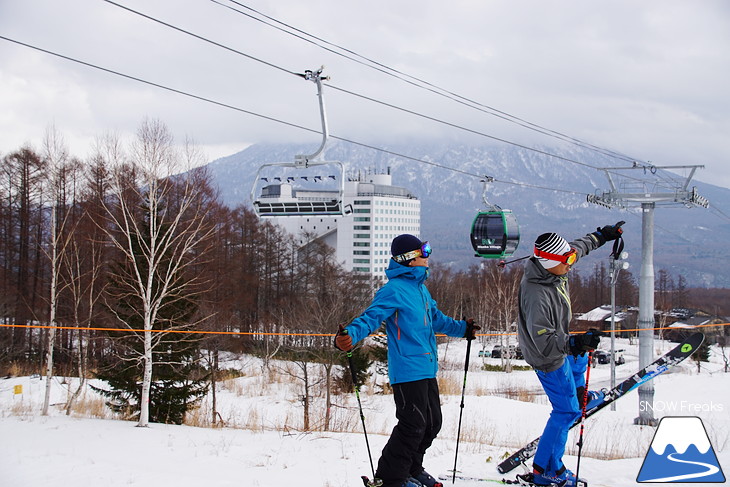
(262, 444)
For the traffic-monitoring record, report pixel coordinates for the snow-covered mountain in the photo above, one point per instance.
(549, 194)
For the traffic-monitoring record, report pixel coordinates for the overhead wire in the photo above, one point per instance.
(719, 211)
(349, 92)
(546, 153)
(392, 106)
(157, 85)
(413, 80)
(273, 119)
(420, 83)
(204, 39)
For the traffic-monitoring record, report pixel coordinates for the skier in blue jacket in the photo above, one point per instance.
(412, 319)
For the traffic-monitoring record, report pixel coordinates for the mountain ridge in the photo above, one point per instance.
(545, 193)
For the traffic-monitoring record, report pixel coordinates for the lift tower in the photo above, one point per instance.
(651, 188)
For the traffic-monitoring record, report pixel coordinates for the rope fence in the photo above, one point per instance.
(261, 333)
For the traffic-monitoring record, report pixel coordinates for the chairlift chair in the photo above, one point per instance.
(281, 199)
(495, 233)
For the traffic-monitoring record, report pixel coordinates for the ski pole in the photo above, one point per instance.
(461, 412)
(583, 413)
(362, 416)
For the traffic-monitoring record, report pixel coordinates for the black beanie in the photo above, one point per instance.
(404, 243)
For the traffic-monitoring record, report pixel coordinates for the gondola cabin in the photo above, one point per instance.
(495, 233)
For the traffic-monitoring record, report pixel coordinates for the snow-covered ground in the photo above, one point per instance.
(262, 443)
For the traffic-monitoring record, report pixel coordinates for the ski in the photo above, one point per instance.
(659, 366)
(527, 480)
(465, 478)
(523, 480)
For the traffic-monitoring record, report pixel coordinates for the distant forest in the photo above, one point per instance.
(134, 239)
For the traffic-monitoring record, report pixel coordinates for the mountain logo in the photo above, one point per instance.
(681, 452)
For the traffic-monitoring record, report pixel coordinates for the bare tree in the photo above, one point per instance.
(496, 304)
(56, 155)
(23, 178)
(160, 194)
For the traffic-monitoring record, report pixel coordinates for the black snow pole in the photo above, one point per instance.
(461, 411)
(374, 482)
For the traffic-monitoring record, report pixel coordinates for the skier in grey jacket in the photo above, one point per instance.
(558, 358)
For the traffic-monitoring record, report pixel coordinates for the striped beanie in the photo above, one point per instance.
(552, 243)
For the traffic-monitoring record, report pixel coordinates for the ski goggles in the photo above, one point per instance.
(567, 258)
(424, 252)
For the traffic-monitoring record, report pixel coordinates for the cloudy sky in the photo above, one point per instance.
(647, 79)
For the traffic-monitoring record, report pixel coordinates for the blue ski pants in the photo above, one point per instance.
(560, 386)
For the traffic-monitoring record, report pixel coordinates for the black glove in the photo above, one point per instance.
(343, 341)
(471, 329)
(579, 344)
(608, 233)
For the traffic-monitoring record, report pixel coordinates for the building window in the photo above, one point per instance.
(362, 235)
(362, 210)
(360, 261)
(361, 244)
(360, 252)
(361, 218)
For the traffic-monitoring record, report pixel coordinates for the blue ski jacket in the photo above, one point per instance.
(411, 320)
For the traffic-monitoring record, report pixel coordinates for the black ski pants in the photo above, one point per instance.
(418, 410)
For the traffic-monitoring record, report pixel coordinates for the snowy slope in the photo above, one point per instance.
(40, 451)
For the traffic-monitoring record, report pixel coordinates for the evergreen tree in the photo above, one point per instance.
(178, 380)
(361, 361)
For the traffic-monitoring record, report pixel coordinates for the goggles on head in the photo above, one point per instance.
(567, 258)
(424, 252)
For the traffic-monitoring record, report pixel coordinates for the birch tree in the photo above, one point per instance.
(83, 265)
(56, 155)
(158, 193)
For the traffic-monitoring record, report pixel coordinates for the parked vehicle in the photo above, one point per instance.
(514, 352)
(604, 357)
(485, 353)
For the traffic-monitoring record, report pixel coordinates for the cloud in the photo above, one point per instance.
(645, 79)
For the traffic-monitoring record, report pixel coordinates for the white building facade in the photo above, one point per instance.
(375, 213)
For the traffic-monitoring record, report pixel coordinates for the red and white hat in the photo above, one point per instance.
(551, 243)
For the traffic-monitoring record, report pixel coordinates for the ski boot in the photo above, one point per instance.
(427, 480)
(565, 479)
(539, 480)
(410, 482)
(595, 398)
(371, 483)
(571, 480)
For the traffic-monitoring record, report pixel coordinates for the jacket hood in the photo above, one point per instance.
(535, 272)
(395, 269)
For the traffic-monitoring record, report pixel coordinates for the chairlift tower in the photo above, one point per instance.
(648, 190)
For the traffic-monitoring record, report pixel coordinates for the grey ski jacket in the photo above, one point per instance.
(545, 311)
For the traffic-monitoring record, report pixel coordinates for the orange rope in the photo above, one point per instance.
(210, 332)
